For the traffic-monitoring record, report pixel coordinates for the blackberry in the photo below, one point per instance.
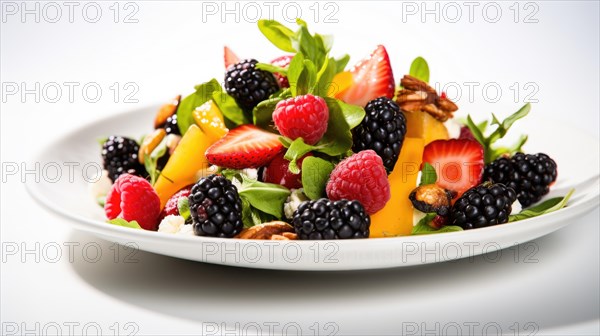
(120, 155)
(171, 126)
(484, 205)
(382, 130)
(216, 207)
(248, 85)
(530, 175)
(325, 219)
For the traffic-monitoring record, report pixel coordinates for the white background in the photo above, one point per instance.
(551, 51)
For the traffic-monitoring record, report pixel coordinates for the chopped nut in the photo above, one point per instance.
(151, 141)
(269, 231)
(417, 95)
(431, 198)
(166, 111)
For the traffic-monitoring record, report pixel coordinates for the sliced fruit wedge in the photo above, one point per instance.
(458, 163)
(246, 146)
(372, 78)
(209, 118)
(229, 57)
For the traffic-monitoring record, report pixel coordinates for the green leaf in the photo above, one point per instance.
(286, 142)
(247, 213)
(324, 40)
(203, 93)
(337, 139)
(271, 68)
(281, 36)
(420, 69)
(102, 140)
(428, 174)
(315, 174)
(262, 115)
(124, 223)
(490, 152)
(543, 208)
(296, 150)
(151, 161)
(307, 78)
(353, 114)
(183, 206)
(340, 63)
(266, 197)
(423, 226)
(234, 116)
(295, 68)
(325, 77)
(101, 200)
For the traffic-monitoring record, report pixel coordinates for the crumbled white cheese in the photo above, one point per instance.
(453, 128)
(417, 216)
(101, 185)
(171, 224)
(187, 230)
(251, 173)
(516, 207)
(293, 202)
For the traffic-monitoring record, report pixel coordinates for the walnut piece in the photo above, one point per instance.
(417, 95)
(269, 231)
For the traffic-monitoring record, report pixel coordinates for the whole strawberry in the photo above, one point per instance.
(303, 117)
(133, 199)
(171, 208)
(360, 177)
(282, 62)
(277, 172)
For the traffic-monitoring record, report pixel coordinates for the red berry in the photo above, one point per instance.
(372, 77)
(245, 146)
(171, 208)
(282, 62)
(465, 133)
(302, 117)
(277, 172)
(361, 177)
(133, 199)
(229, 57)
(458, 163)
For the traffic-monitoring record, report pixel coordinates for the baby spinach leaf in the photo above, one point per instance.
(234, 116)
(423, 226)
(203, 93)
(420, 69)
(124, 223)
(428, 174)
(266, 197)
(183, 206)
(315, 174)
(281, 36)
(543, 208)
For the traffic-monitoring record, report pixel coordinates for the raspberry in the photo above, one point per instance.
(361, 177)
(133, 199)
(302, 117)
(171, 206)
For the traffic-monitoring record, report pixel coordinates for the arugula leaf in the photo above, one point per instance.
(296, 150)
(124, 223)
(281, 36)
(233, 115)
(428, 174)
(491, 153)
(420, 69)
(315, 174)
(543, 208)
(423, 226)
(183, 206)
(266, 197)
(203, 93)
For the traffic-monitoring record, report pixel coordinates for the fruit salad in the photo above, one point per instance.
(306, 148)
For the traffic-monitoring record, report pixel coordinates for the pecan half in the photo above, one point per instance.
(166, 111)
(269, 231)
(417, 95)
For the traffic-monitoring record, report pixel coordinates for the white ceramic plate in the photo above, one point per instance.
(69, 196)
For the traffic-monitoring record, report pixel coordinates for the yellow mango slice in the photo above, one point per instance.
(209, 118)
(183, 166)
(423, 125)
(396, 218)
(340, 83)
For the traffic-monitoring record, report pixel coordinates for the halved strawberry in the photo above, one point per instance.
(246, 146)
(373, 78)
(457, 162)
(229, 57)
